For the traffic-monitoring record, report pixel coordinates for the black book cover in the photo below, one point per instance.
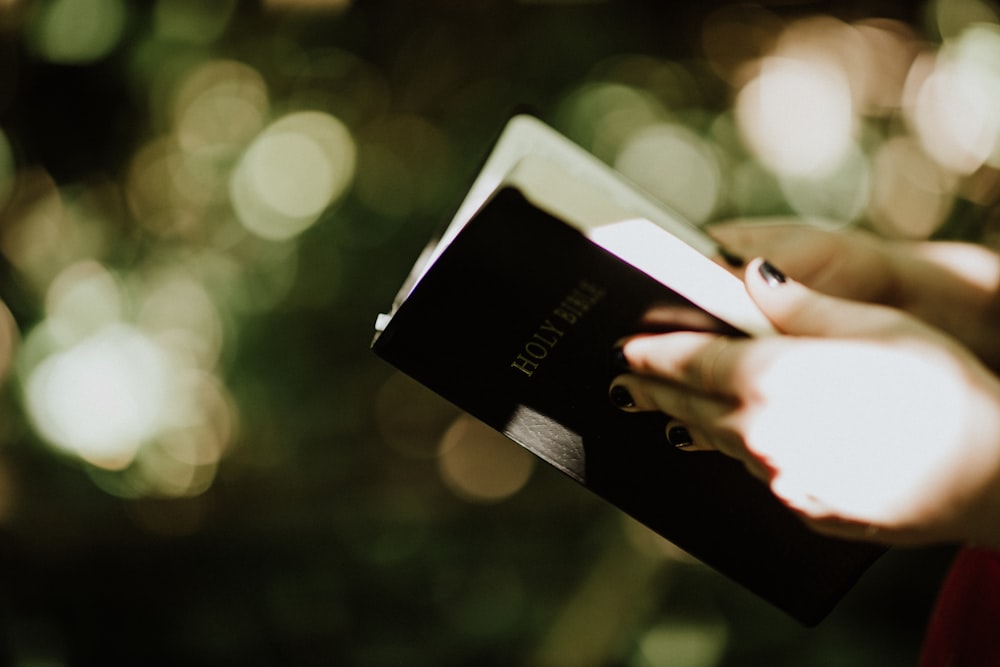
(516, 322)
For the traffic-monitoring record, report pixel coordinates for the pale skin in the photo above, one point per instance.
(874, 415)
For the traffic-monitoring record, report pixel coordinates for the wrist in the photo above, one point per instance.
(981, 483)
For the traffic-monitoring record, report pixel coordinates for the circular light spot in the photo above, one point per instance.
(221, 105)
(410, 417)
(797, 116)
(300, 192)
(292, 171)
(480, 465)
(911, 196)
(81, 300)
(948, 18)
(599, 116)
(182, 317)
(102, 398)
(841, 195)
(78, 31)
(736, 34)
(192, 21)
(697, 642)
(675, 165)
(888, 49)
(955, 106)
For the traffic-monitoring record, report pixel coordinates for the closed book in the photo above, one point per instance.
(514, 313)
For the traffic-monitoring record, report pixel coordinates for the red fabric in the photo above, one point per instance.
(964, 630)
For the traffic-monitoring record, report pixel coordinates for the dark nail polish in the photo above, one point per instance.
(679, 437)
(771, 275)
(618, 359)
(731, 258)
(621, 397)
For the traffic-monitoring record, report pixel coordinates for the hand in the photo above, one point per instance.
(865, 421)
(952, 286)
(844, 263)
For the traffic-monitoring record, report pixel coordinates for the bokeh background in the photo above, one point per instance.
(204, 206)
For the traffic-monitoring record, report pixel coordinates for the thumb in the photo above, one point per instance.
(796, 310)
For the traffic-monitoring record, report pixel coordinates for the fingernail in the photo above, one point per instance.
(621, 397)
(619, 360)
(679, 437)
(731, 258)
(772, 276)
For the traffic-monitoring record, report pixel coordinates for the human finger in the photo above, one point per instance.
(688, 438)
(679, 434)
(699, 362)
(696, 439)
(705, 438)
(803, 250)
(798, 310)
(831, 521)
(846, 263)
(697, 422)
(634, 393)
(847, 529)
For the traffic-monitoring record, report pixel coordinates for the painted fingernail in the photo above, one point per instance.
(679, 437)
(619, 360)
(621, 397)
(731, 258)
(772, 276)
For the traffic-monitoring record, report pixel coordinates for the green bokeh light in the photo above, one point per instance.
(78, 31)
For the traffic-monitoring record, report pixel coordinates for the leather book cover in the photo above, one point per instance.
(516, 322)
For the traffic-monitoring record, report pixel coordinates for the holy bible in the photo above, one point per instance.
(513, 314)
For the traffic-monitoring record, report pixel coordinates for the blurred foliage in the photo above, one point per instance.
(204, 207)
